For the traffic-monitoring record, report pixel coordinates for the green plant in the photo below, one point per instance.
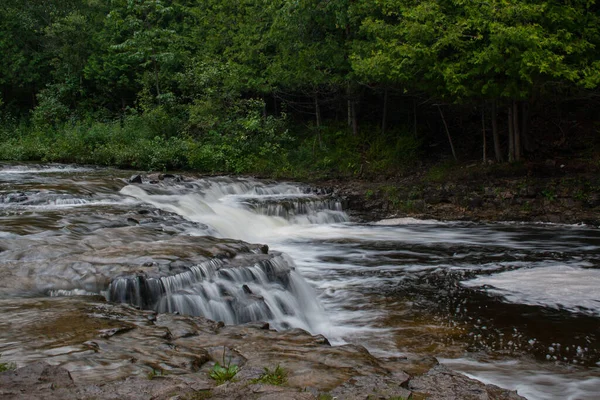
(154, 373)
(391, 194)
(10, 366)
(325, 396)
(579, 195)
(369, 193)
(549, 194)
(222, 374)
(276, 377)
(440, 172)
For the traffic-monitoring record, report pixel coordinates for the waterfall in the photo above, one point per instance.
(268, 289)
(242, 209)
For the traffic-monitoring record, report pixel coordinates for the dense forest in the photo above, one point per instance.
(289, 87)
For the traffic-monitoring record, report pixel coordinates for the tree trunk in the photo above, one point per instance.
(349, 112)
(317, 112)
(385, 110)
(318, 117)
(156, 80)
(516, 131)
(484, 136)
(448, 133)
(495, 133)
(415, 117)
(354, 119)
(511, 135)
(526, 140)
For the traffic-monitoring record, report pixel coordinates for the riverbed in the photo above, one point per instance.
(513, 304)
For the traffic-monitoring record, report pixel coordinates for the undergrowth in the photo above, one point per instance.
(247, 143)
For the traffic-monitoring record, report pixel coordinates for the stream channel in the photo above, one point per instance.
(513, 304)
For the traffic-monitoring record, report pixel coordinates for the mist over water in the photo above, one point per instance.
(511, 304)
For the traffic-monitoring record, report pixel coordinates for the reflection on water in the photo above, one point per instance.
(512, 304)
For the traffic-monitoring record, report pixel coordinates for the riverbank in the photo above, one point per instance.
(181, 353)
(111, 350)
(555, 191)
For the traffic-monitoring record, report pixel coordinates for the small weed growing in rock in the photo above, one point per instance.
(276, 377)
(7, 366)
(549, 194)
(154, 373)
(222, 374)
(325, 396)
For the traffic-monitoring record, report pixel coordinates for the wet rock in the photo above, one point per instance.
(106, 333)
(37, 381)
(592, 201)
(14, 198)
(135, 178)
(441, 383)
(178, 353)
(475, 202)
(373, 387)
(240, 391)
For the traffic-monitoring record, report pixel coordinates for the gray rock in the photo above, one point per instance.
(135, 179)
(441, 383)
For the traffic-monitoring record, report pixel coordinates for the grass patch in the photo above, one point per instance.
(277, 377)
(10, 366)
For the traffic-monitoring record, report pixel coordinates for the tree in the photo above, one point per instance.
(503, 51)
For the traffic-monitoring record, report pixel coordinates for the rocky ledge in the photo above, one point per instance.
(549, 192)
(86, 348)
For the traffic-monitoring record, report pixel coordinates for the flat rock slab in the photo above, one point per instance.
(441, 383)
(171, 357)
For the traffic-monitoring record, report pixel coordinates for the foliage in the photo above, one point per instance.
(221, 373)
(284, 88)
(440, 172)
(277, 377)
(7, 366)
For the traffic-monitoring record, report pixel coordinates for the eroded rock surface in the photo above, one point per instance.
(86, 348)
(441, 383)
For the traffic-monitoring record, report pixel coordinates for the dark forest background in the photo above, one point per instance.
(298, 87)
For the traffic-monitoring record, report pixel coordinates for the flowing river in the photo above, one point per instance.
(513, 304)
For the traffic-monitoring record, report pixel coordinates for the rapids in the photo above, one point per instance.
(512, 304)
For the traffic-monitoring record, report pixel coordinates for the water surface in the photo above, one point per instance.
(512, 304)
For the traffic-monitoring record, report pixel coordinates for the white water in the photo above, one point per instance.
(352, 265)
(530, 380)
(561, 286)
(360, 272)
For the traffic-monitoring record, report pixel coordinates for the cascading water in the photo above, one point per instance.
(269, 290)
(510, 304)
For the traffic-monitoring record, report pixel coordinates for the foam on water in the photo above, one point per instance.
(362, 274)
(42, 169)
(407, 221)
(530, 380)
(227, 209)
(561, 286)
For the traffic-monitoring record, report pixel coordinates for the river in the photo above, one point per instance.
(512, 304)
